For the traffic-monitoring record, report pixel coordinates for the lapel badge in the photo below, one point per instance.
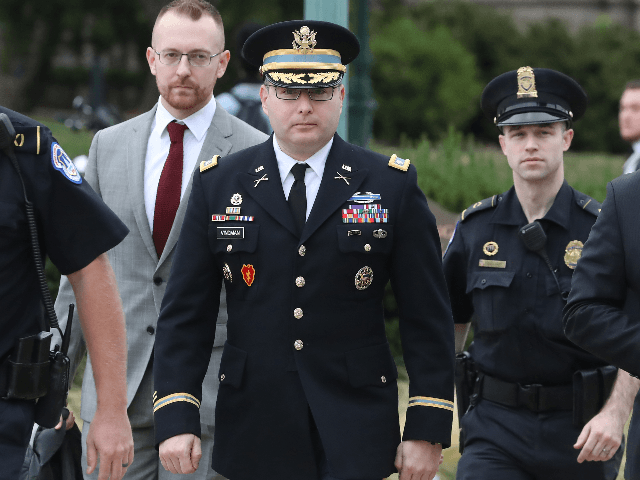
(226, 271)
(248, 274)
(380, 233)
(233, 210)
(346, 167)
(526, 83)
(366, 197)
(264, 177)
(364, 278)
(490, 248)
(259, 169)
(572, 253)
(342, 177)
(236, 199)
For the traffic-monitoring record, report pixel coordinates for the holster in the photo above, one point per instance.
(465, 381)
(591, 389)
(24, 375)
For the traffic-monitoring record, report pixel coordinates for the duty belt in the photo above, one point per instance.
(535, 397)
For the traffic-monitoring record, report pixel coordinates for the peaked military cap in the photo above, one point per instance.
(532, 96)
(302, 53)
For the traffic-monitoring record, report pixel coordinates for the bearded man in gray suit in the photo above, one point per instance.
(130, 168)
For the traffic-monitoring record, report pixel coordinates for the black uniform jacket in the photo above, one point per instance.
(510, 291)
(74, 225)
(607, 274)
(303, 339)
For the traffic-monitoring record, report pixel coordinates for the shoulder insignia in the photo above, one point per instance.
(490, 202)
(207, 164)
(28, 139)
(61, 162)
(585, 202)
(399, 163)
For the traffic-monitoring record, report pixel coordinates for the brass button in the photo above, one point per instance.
(229, 247)
(222, 377)
(384, 379)
(302, 250)
(367, 248)
(298, 344)
(300, 282)
(298, 313)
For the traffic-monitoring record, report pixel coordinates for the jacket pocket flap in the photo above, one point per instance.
(371, 366)
(483, 280)
(232, 365)
(241, 238)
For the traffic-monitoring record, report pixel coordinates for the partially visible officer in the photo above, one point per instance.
(75, 228)
(305, 230)
(509, 267)
(629, 121)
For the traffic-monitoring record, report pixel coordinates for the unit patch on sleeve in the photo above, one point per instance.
(63, 163)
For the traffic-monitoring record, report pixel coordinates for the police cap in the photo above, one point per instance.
(302, 53)
(533, 96)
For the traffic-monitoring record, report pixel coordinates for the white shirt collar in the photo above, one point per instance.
(636, 146)
(316, 161)
(198, 122)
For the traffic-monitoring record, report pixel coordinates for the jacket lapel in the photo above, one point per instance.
(268, 193)
(136, 154)
(333, 191)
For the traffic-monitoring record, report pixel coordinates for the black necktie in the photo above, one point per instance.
(298, 196)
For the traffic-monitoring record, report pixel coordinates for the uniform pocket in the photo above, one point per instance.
(371, 366)
(490, 290)
(366, 238)
(235, 248)
(232, 366)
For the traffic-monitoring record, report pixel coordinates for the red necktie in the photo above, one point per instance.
(168, 195)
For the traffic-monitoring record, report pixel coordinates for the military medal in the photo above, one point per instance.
(364, 277)
(572, 253)
(233, 210)
(226, 271)
(248, 274)
(372, 213)
(236, 199)
(490, 248)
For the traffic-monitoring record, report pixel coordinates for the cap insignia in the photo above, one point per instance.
(304, 40)
(526, 83)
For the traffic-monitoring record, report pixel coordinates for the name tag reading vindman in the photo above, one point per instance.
(492, 263)
(226, 233)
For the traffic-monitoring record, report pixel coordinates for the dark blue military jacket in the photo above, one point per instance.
(306, 332)
(74, 225)
(510, 291)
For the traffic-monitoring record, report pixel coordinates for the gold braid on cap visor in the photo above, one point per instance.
(289, 59)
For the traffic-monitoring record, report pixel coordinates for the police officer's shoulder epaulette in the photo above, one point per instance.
(399, 163)
(490, 202)
(585, 202)
(29, 139)
(207, 164)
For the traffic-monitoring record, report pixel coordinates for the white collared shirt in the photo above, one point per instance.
(312, 177)
(631, 165)
(158, 149)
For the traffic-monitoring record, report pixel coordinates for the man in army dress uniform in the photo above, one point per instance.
(509, 266)
(305, 230)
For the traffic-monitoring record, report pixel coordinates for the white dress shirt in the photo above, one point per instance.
(158, 149)
(312, 177)
(631, 165)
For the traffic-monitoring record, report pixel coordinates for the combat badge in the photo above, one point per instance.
(380, 233)
(226, 271)
(236, 199)
(490, 248)
(248, 274)
(364, 278)
(63, 164)
(366, 197)
(572, 253)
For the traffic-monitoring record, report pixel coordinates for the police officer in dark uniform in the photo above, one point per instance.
(508, 268)
(305, 230)
(74, 229)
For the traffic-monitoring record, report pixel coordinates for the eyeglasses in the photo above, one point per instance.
(196, 59)
(315, 94)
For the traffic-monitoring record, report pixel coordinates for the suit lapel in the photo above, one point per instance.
(268, 193)
(216, 142)
(333, 191)
(136, 154)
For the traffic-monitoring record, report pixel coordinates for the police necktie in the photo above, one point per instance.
(169, 186)
(298, 196)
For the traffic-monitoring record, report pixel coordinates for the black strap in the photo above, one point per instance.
(536, 398)
(298, 196)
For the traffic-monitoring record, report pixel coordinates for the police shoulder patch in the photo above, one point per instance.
(490, 202)
(207, 164)
(399, 163)
(61, 162)
(585, 202)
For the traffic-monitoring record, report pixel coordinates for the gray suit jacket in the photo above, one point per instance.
(116, 172)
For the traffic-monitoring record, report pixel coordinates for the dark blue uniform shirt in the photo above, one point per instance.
(510, 292)
(74, 225)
